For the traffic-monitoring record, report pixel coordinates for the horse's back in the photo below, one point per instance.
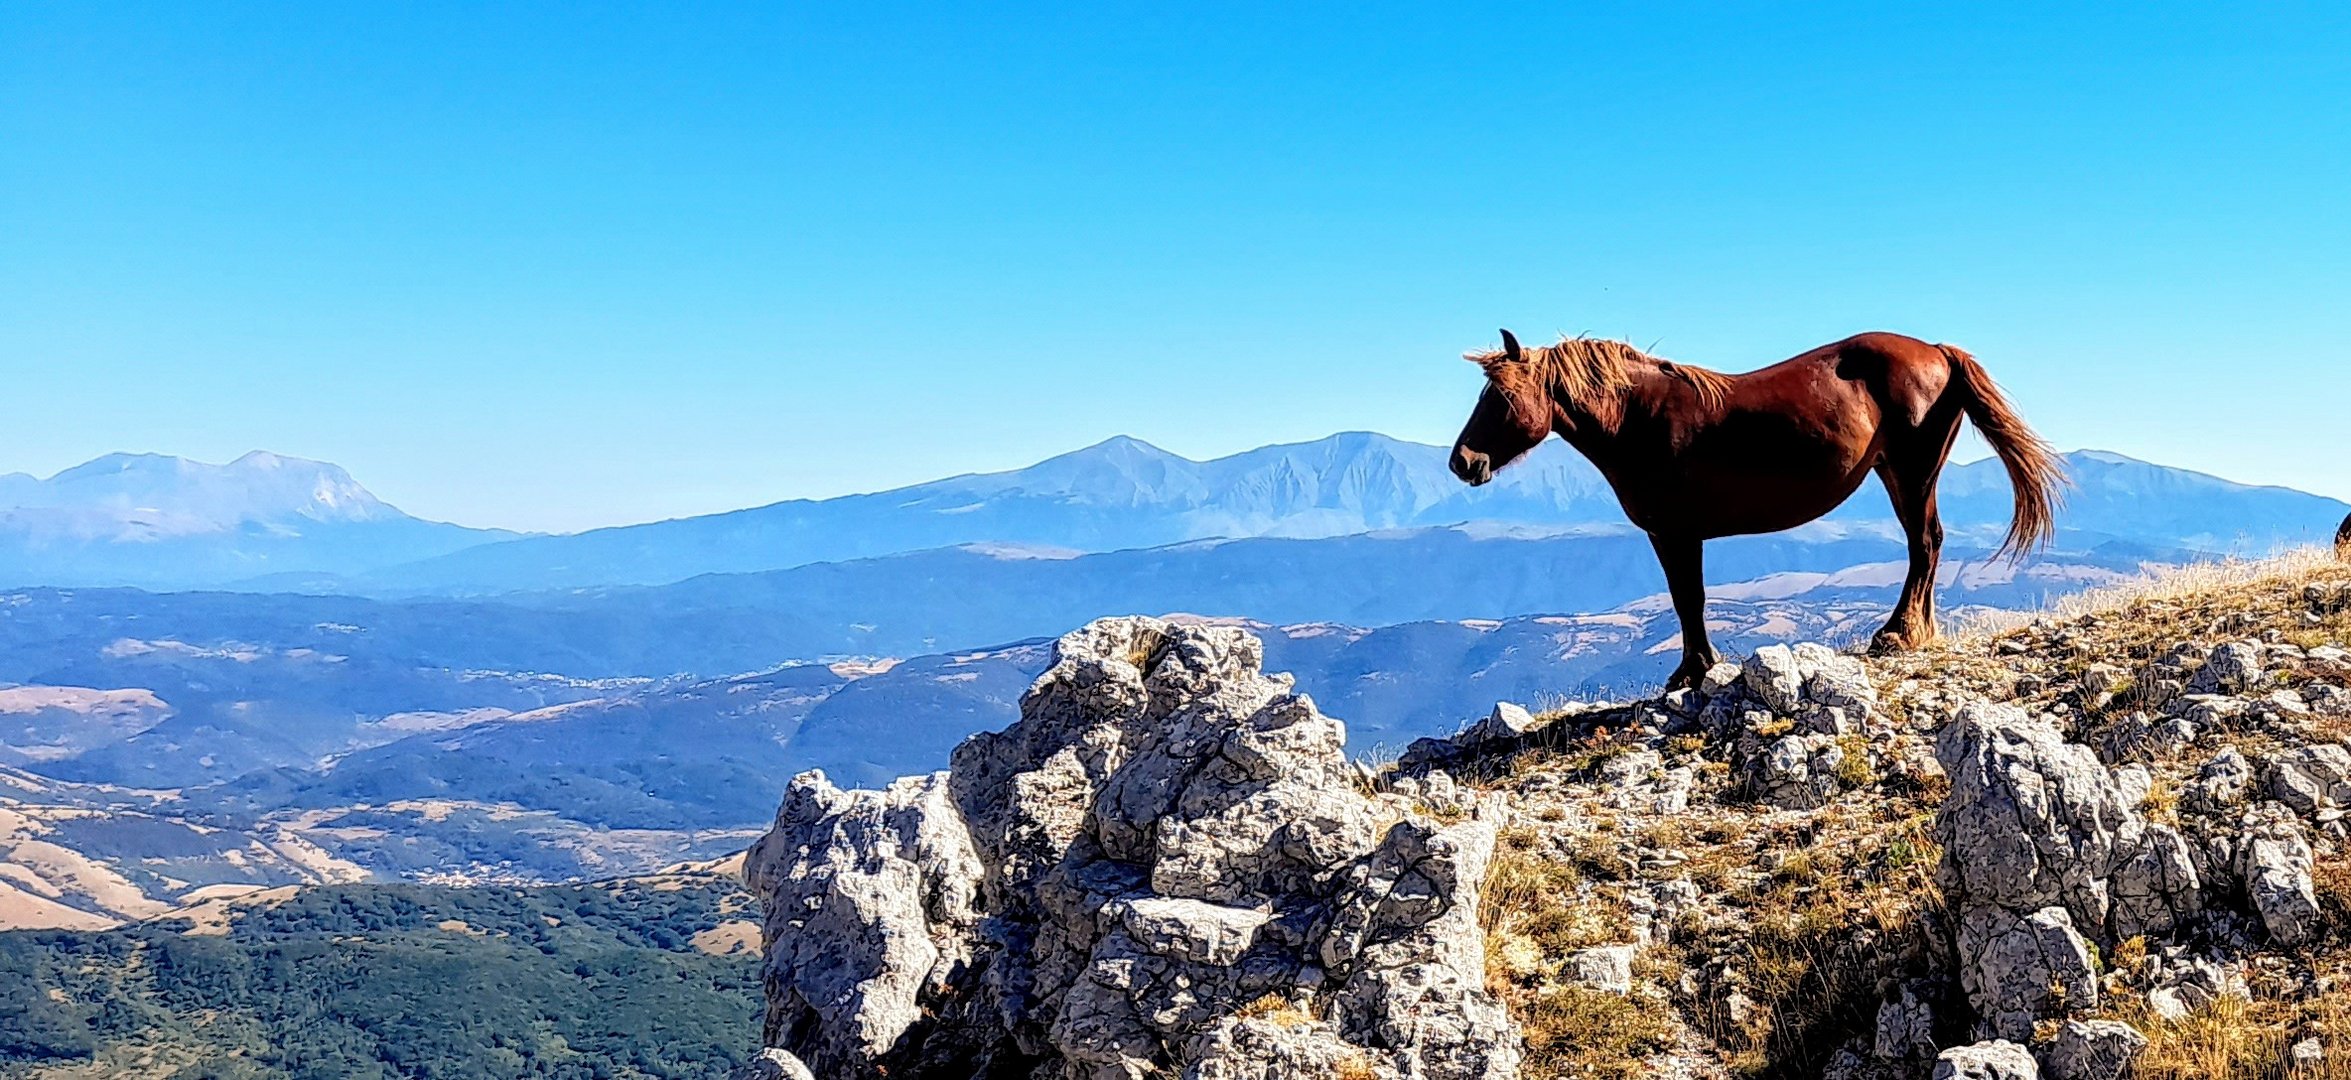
(1795, 439)
(1879, 372)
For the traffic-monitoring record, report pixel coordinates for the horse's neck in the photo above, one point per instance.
(1610, 430)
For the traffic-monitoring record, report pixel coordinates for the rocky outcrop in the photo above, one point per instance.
(2042, 856)
(1787, 713)
(1166, 867)
(870, 909)
(2274, 862)
(2094, 1050)
(1994, 1060)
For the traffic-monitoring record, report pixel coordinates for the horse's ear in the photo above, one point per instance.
(1510, 346)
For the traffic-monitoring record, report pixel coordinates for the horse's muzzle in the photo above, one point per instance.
(1474, 468)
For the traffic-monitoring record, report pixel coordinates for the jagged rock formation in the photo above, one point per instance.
(1165, 868)
(2044, 853)
(2041, 848)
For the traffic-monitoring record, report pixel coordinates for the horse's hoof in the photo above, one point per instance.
(1892, 642)
(1689, 676)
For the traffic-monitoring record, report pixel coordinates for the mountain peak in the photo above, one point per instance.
(175, 495)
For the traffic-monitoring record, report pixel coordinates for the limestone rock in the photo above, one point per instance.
(1997, 1059)
(2042, 851)
(1608, 969)
(2311, 778)
(773, 1064)
(1167, 837)
(2017, 970)
(2232, 669)
(1905, 1027)
(869, 899)
(1507, 721)
(2094, 1050)
(1277, 1049)
(1794, 772)
(2274, 862)
(1771, 675)
(2221, 783)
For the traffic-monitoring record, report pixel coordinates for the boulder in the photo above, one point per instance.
(1772, 677)
(2033, 820)
(2274, 861)
(1905, 1026)
(1282, 1047)
(1793, 772)
(2221, 783)
(2311, 778)
(1507, 721)
(2233, 668)
(772, 1064)
(2094, 1050)
(1608, 969)
(2018, 969)
(1996, 1059)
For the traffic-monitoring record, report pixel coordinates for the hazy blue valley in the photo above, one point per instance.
(259, 674)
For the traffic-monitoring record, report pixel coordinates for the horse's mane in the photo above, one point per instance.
(1588, 370)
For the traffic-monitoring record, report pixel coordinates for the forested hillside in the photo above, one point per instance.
(642, 978)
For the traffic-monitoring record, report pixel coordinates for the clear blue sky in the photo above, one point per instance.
(566, 265)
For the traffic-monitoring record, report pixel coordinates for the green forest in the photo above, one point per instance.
(394, 981)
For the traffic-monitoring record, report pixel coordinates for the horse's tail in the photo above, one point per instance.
(2034, 469)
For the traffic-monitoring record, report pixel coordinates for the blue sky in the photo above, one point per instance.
(564, 265)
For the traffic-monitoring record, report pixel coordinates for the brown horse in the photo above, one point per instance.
(1695, 454)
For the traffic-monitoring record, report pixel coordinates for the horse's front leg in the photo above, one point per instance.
(1684, 560)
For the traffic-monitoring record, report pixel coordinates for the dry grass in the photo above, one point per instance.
(2128, 626)
(1854, 770)
(2230, 1038)
(2161, 584)
(1276, 1010)
(1814, 933)
(1574, 1032)
(1537, 909)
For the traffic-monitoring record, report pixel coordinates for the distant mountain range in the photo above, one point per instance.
(383, 695)
(165, 522)
(267, 523)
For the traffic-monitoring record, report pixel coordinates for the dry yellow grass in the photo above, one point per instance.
(2161, 584)
(1276, 1010)
(2230, 1038)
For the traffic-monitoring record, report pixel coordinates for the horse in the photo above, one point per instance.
(2343, 540)
(1694, 454)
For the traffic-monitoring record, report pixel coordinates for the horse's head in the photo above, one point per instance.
(1513, 415)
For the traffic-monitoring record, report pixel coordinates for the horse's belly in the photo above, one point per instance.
(1745, 505)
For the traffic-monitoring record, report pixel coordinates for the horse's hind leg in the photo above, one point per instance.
(1684, 561)
(1911, 468)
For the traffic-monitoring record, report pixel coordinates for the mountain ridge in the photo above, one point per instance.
(320, 531)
